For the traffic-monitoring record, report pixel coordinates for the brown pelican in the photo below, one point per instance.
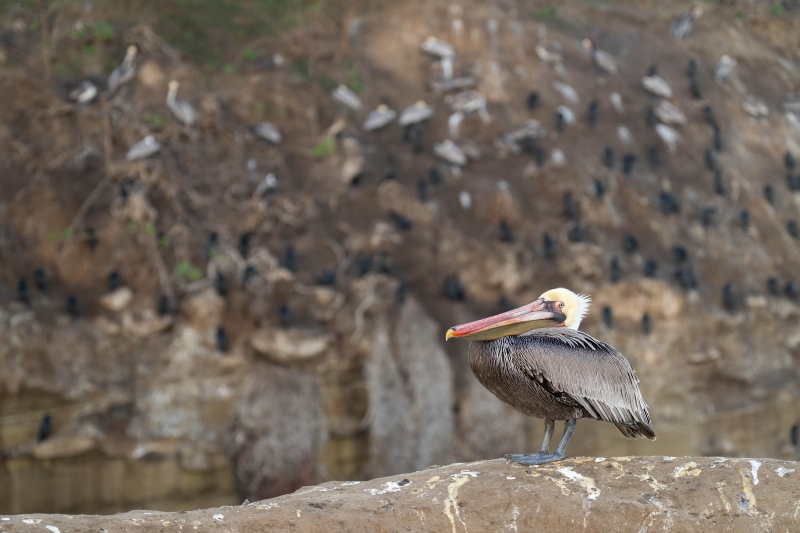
(602, 60)
(669, 136)
(669, 113)
(657, 85)
(182, 110)
(682, 26)
(724, 68)
(144, 148)
(535, 359)
(379, 117)
(84, 93)
(125, 72)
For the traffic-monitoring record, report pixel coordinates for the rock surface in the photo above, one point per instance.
(583, 493)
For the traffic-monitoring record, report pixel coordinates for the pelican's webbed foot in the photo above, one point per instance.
(534, 458)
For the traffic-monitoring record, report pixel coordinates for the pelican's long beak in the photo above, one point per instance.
(539, 314)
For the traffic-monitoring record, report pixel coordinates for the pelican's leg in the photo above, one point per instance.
(544, 455)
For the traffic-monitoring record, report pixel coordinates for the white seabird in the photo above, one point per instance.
(567, 92)
(724, 68)
(450, 152)
(669, 136)
(601, 59)
(682, 26)
(83, 93)
(469, 102)
(669, 113)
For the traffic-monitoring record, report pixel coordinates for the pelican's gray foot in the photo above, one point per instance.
(534, 458)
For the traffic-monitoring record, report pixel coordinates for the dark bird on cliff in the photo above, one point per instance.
(769, 194)
(532, 101)
(647, 324)
(505, 232)
(652, 70)
(792, 289)
(710, 159)
(221, 284)
(599, 189)
(679, 254)
(164, 306)
(788, 160)
(285, 316)
(435, 177)
(244, 244)
(744, 219)
(592, 112)
(390, 172)
(328, 277)
(615, 274)
(422, 190)
(602, 60)
(650, 268)
(221, 338)
(793, 229)
(539, 156)
(45, 428)
(650, 117)
(72, 307)
(249, 273)
(729, 297)
(694, 89)
(114, 281)
(630, 244)
(707, 216)
(774, 286)
(668, 203)
(711, 118)
(536, 360)
(794, 435)
(212, 243)
(290, 259)
(716, 140)
(691, 68)
(793, 182)
(628, 161)
(608, 317)
(719, 183)
(416, 136)
(365, 265)
(401, 293)
(548, 246)
(402, 223)
(570, 207)
(90, 238)
(453, 289)
(686, 278)
(608, 157)
(654, 157)
(575, 233)
(682, 26)
(23, 294)
(40, 279)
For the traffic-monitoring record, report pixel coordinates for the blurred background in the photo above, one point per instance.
(243, 288)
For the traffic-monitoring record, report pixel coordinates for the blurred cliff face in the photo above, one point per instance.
(224, 313)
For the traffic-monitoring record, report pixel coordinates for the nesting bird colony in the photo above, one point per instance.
(473, 133)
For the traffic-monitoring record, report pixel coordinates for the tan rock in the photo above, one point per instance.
(118, 300)
(64, 446)
(289, 346)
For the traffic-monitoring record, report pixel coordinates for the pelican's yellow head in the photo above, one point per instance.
(575, 306)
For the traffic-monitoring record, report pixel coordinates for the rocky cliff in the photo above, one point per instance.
(190, 332)
(580, 494)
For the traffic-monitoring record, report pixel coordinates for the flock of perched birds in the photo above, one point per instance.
(466, 103)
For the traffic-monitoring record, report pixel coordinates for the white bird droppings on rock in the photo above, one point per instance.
(781, 471)
(754, 468)
(54, 529)
(668, 458)
(599, 459)
(391, 486)
(586, 482)
(348, 483)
